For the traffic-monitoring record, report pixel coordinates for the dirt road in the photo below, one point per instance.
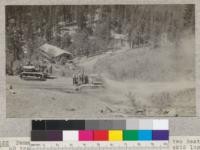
(57, 98)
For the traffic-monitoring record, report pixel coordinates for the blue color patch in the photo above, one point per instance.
(145, 135)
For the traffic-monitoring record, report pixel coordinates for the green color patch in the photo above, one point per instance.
(130, 135)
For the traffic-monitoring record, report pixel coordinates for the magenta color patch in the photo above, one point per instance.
(85, 135)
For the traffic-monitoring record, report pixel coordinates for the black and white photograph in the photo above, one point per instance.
(100, 61)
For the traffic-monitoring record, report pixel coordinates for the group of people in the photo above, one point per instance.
(80, 78)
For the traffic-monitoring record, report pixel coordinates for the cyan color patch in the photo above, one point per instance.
(145, 135)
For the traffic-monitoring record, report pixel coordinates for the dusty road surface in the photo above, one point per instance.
(58, 98)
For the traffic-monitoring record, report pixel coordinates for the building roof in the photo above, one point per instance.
(29, 67)
(118, 36)
(53, 51)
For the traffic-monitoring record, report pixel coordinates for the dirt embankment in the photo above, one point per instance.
(170, 62)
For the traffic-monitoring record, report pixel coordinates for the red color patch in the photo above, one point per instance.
(100, 135)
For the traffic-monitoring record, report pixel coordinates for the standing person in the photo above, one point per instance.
(50, 69)
(40, 68)
(73, 79)
(82, 78)
(20, 68)
(79, 79)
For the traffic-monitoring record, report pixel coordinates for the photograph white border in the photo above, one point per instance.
(22, 127)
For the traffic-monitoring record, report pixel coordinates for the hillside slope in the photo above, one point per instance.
(168, 63)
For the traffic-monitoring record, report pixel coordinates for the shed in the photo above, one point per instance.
(55, 54)
(119, 40)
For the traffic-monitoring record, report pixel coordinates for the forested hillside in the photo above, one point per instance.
(88, 30)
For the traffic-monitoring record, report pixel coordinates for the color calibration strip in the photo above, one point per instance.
(100, 130)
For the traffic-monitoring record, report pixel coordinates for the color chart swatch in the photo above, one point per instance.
(100, 130)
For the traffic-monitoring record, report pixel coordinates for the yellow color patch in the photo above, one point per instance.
(115, 135)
